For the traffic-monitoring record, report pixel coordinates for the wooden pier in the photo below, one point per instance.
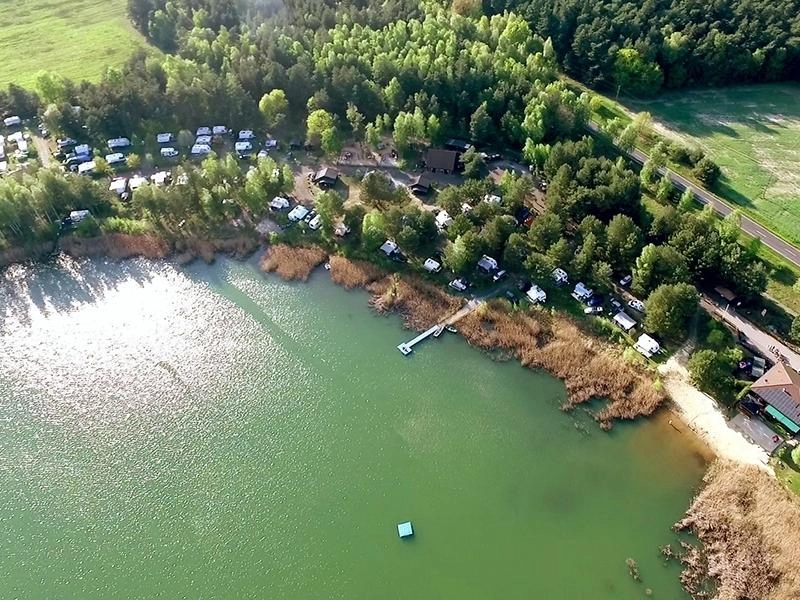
(407, 348)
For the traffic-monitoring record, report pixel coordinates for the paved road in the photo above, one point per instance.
(761, 340)
(749, 226)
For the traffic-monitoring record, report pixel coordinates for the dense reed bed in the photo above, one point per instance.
(293, 262)
(589, 368)
(116, 246)
(749, 527)
(354, 273)
(420, 303)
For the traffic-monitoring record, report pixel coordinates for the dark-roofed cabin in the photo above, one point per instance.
(326, 177)
(421, 185)
(779, 390)
(438, 159)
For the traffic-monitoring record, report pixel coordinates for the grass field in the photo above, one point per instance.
(76, 39)
(753, 133)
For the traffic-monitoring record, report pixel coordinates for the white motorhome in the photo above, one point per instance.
(87, 168)
(118, 143)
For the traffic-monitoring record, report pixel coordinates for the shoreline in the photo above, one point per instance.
(701, 415)
(740, 509)
(119, 246)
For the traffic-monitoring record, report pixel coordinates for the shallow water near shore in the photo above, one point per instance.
(210, 432)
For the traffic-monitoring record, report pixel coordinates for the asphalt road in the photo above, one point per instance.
(761, 340)
(769, 239)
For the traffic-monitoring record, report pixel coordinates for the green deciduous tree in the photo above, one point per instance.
(706, 171)
(623, 242)
(670, 308)
(319, 121)
(636, 76)
(658, 265)
(712, 372)
(273, 106)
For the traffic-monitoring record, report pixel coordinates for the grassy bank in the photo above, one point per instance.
(77, 40)
(750, 530)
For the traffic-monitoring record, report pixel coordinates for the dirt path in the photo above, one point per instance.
(42, 148)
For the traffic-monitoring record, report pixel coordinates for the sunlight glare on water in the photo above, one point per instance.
(210, 432)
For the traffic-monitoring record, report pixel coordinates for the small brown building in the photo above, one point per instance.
(326, 177)
(438, 159)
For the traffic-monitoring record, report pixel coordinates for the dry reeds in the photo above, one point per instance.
(354, 273)
(116, 246)
(420, 303)
(749, 527)
(291, 262)
(589, 368)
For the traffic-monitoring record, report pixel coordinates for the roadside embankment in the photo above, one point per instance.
(749, 527)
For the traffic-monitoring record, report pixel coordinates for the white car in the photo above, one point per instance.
(636, 305)
(246, 134)
(203, 139)
(169, 152)
(458, 284)
(203, 131)
(219, 130)
(164, 138)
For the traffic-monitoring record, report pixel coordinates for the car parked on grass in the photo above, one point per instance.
(636, 305)
(593, 310)
(595, 300)
(459, 284)
(501, 274)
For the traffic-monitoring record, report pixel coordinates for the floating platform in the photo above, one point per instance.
(405, 530)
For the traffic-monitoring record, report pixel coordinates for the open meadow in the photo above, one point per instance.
(753, 133)
(76, 39)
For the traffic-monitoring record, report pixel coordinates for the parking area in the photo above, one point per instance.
(756, 431)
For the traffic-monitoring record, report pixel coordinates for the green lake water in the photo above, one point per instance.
(210, 432)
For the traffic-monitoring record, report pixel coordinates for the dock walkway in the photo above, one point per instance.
(407, 347)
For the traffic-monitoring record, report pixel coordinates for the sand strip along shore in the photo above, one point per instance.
(701, 414)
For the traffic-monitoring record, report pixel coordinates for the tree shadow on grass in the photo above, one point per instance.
(784, 275)
(724, 188)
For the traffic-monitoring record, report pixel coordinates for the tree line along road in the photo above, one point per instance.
(750, 227)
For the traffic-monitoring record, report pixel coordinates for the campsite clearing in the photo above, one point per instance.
(77, 39)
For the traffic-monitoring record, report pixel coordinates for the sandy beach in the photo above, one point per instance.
(700, 413)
